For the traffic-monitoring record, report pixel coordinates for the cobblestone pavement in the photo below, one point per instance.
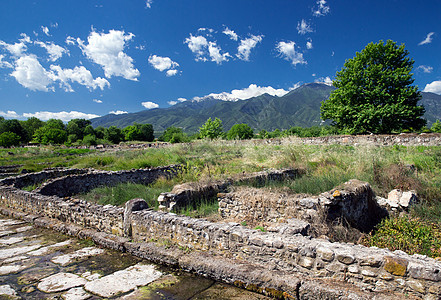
(37, 263)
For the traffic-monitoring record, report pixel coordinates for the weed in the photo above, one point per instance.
(261, 228)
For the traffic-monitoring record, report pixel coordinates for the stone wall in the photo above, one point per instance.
(69, 185)
(372, 269)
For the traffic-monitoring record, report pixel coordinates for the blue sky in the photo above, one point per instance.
(87, 58)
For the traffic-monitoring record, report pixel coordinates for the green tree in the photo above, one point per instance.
(147, 133)
(113, 134)
(436, 127)
(211, 129)
(240, 132)
(375, 92)
(30, 126)
(9, 139)
(168, 134)
(132, 133)
(14, 126)
(53, 136)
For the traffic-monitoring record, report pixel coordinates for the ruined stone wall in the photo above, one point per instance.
(369, 268)
(82, 183)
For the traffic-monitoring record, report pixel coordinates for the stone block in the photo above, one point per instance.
(396, 266)
(325, 253)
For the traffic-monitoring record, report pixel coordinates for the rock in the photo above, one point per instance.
(325, 253)
(403, 199)
(45, 250)
(7, 290)
(77, 293)
(131, 206)
(77, 255)
(11, 240)
(396, 266)
(60, 282)
(123, 281)
(7, 253)
(8, 269)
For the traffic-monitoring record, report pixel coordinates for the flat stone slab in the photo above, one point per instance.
(7, 253)
(60, 282)
(23, 229)
(10, 222)
(123, 281)
(7, 290)
(11, 240)
(76, 294)
(6, 233)
(66, 259)
(8, 269)
(15, 258)
(47, 249)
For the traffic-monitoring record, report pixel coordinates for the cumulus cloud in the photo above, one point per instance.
(171, 73)
(197, 45)
(309, 44)
(55, 52)
(45, 30)
(17, 49)
(428, 39)
(433, 87)
(287, 50)
(162, 63)
(149, 105)
(179, 100)
(31, 74)
(63, 115)
(303, 27)
(106, 50)
(5, 64)
(148, 3)
(252, 91)
(326, 80)
(97, 101)
(78, 74)
(215, 53)
(70, 40)
(230, 33)
(246, 45)
(296, 86)
(9, 114)
(425, 69)
(118, 112)
(321, 9)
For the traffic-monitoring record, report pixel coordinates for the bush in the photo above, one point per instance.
(9, 139)
(240, 132)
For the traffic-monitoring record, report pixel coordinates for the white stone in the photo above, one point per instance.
(66, 259)
(60, 282)
(8, 291)
(10, 222)
(6, 232)
(16, 258)
(23, 229)
(45, 250)
(91, 276)
(76, 294)
(8, 269)
(11, 240)
(7, 253)
(123, 281)
(408, 198)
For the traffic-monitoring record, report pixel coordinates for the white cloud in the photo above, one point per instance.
(30, 74)
(17, 49)
(63, 115)
(177, 101)
(45, 30)
(5, 64)
(70, 40)
(106, 49)
(55, 52)
(162, 63)
(287, 50)
(78, 74)
(197, 45)
(434, 87)
(321, 10)
(428, 39)
(252, 91)
(303, 27)
(210, 30)
(326, 80)
(309, 44)
(149, 105)
(425, 69)
(118, 112)
(215, 53)
(296, 86)
(148, 3)
(9, 114)
(230, 33)
(97, 101)
(246, 45)
(170, 73)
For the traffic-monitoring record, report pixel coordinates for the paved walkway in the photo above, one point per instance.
(37, 263)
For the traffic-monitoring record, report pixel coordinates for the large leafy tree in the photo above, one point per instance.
(375, 92)
(211, 129)
(240, 132)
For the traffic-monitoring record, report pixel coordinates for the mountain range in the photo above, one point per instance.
(299, 107)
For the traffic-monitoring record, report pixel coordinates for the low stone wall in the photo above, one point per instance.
(70, 185)
(371, 269)
(354, 202)
(36, 178)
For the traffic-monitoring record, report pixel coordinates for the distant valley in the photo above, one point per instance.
(299, 107)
